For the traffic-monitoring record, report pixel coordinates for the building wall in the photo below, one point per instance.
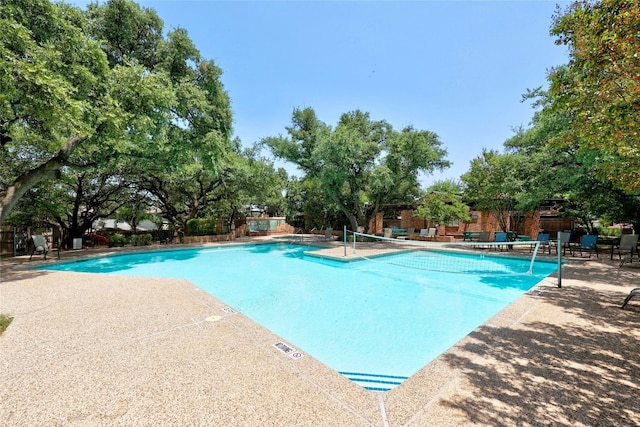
(409, 221)
(532, 224)
(481, 221)
(375, 225)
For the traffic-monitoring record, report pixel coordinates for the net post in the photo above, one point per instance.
(354, 242)
(559, 261)
(344, 234)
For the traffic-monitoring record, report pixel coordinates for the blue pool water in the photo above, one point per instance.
(362, 317)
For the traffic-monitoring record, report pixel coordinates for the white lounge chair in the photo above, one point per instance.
(328, 234)
(40, 245)
(628, 245)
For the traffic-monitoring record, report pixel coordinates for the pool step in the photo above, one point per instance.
(374, 382)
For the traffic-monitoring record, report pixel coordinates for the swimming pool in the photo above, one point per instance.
(373, 322)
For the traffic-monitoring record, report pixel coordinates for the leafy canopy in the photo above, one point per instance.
(82, 88)
(599, 89)
(361, 164)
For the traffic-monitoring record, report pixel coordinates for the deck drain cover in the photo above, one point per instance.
(292, 353)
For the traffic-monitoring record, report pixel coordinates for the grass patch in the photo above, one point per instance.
(4, 322)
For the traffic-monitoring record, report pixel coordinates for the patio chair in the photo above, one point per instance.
(40, 245)
(410, 233)
(565, 242)
(432, 232)
(388, 232)
(328, 233)
(634, 293)
(545, 242)
(628, 245)
(500, 237)
(589, 242)
(483, 237)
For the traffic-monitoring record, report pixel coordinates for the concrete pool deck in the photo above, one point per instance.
(114, 350)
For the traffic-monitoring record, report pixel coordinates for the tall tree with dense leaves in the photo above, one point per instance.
(567, 172)
(82, 88)
(61, 104)
(496, 182)
(361, 164)
(599, 89)
(443, 203)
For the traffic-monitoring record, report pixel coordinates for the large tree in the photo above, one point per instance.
(81, 88)
(599, 89)
(566, 171)
(54, 81)
(497, 182)
(443, 203)
(361, 164)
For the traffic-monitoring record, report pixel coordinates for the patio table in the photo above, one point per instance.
(470, 235)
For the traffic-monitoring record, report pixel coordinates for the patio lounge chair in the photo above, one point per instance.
(565, 242)
(432, 232)
(545, 243)
(500, 237)
(628, 245)
(328, 233)
(589, 242)
(634, 293)
(483, 237)
(40, 245)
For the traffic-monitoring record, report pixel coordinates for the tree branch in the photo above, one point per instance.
(48, 170)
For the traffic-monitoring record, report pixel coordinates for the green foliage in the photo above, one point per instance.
(609, 231)
(5, 321)
(141, 239)
(133, 206)
(128, 31)
(361, 164)
(599, 89)
(203, 227)
(104, 89)
(497, 183)
(565, 172)
(443, 204)
(117, 240)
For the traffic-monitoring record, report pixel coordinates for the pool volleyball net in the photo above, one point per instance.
(484, 258)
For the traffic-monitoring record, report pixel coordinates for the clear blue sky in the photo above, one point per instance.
(457, 68)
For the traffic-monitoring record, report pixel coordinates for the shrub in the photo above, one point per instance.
(141, 239)
(202, 226)
(117, 239)
(610, 231)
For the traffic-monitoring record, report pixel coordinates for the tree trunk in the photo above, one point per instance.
(48, 170)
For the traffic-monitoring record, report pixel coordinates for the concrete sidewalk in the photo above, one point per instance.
(114, 350)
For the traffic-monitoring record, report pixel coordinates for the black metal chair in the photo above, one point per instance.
(634, 293)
